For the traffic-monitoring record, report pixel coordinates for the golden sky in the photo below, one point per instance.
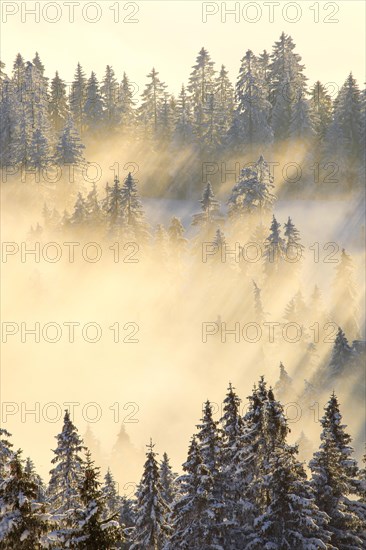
(135, 36)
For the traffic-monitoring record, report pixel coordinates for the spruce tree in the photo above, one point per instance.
(209, 439)
(210, 208)
(301, 129)
(291, 518)
(80, 214)
(93, 531)
(252, 112)
(7, 114)
(126, 106)
(69, 149)
(111, 99)
(151, 530)
(252, 193)
(235, 507)
(59, 109)
(66, 475)
(341, 357)
(287, 85)
(113, 207)
(274, 249)
(294, 248)
(30, 471)
(111, 495)
(201, 90)
(195, 513)
(344, 137)
(224, 104)
(18, 72)
(183, 134)
(6, 452)
(31, 121)
(95, 216)
(23, 520)
(132, 210)
(151, 106)
(334, 473)
(93, 105)
(167, 480)
(77, 98)
(321, 108)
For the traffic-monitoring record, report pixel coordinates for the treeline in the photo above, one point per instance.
(270, 108)
(243, 487)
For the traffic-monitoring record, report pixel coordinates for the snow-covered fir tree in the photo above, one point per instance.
(59, 109)
(7, 114)
(93, 105)
(274, 249)
(251, 118)
(151, 529)
(111, 99)
(69, 149)
(288, 85)
(91, 529)
(6, 452)
(294, 248)
(201, 90)
(31, 140)
(334, 472)
(167, 479)
(23, 519)
(210, 210)
(235, 507)
(126, 106)
(224, 93)
(301, 130)
(183, 133)
(111, 495)
(132, 209)
(263, 64)
(18, 72)
(209, 439)
(77, 98)
(344, 135)
(151, 106)
(30, 471)
(341, 356)
(113, 207)
(291, 518)
(195, 513)
(40, 68)
(167, 120)
(252, 193)
(67, 473)
(80, 214)
(321, 107)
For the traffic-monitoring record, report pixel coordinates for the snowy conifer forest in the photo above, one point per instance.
(198, 259)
